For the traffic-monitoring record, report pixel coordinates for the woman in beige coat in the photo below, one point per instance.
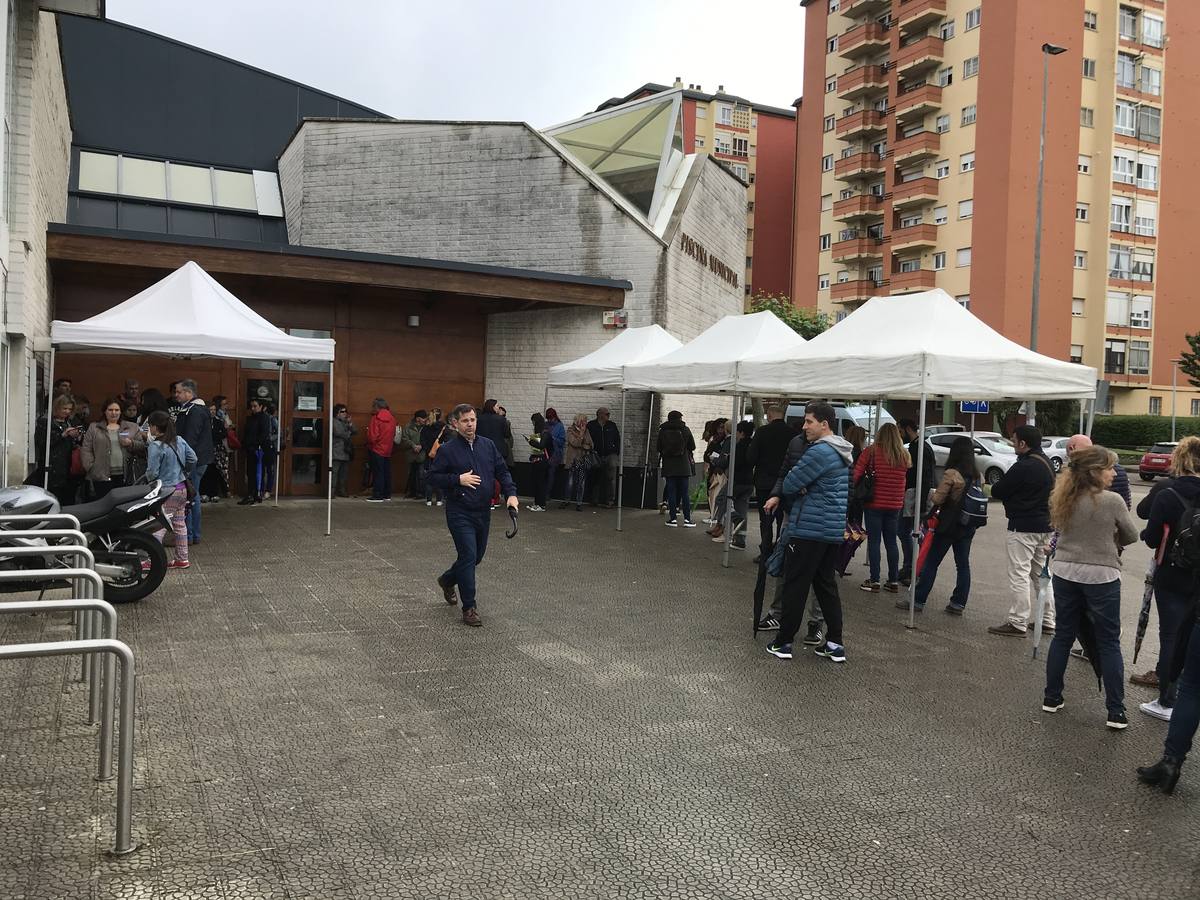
(579, 446)
(107, 447)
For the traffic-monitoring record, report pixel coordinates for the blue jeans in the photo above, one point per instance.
(381, 476)
(1101, 603)
(1173, 609)
(883, 523)
(1186, 716)
(962, 564)
(469, 528)
(677, 491)
(193, 514)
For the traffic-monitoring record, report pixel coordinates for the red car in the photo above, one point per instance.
(1157, 461)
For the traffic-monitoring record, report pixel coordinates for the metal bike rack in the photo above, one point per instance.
(124, 840)
(108, 631)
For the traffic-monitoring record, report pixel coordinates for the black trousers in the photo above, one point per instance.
(810, 564)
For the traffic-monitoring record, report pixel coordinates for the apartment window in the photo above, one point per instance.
(910, 265)
(941, 215)
(1077, 353)
(966, 162)
(973, 18)
(966, 208)
(1089, 20)
(699, 142)
(1152, 30)
(823, 282)
(840, 315)
(1089, 68)
(830, 85)
(830, 121)
(1117, 306)
(1145, 220)
(1114, 357)
(964, 300)
(1077, 307)
(750, 234)
(1124, 167)
(1149, 124)
(1196, 407)
(968, 114)
(749, 261)
(947, 30)
(910, 221)
(943, 124)
(1125, 118)
(1143, 264)
(1151, 81)
(942, 169)
(1126, 70)
(1147, 171)
(1121, 215)
(875, 274)
(826, 241)
(1120, 260)
(831, 45)
(945, 77)
(1155, 402)
(827, 163)
(939, 261)
(1081, 259)
(1139, 311)
(877, 189)
(739, 170)
(724, 114)
(1084, 166)
(749, 206)
(826, 202)
(1087, 116)
(701, 111)
(912, 130)
(741, 147)
(971, 67)
(1081, 212)
(1139, 362)
(843, 276)
(846, 193)
(963, 257)
(1127, 24)
(722, 144)
(751, 181)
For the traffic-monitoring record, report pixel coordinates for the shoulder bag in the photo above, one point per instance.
(864, 488)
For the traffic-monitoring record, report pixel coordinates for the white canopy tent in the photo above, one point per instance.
(604, 368)
(189, 314)
(912, 347)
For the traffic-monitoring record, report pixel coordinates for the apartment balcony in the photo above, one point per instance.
(860, 206)
(918, 102)
(908, 282)
(856, 8)
(862, 124)
(919, 56)
(854, 291)
(864, 81)
(860, 165)
(914, 237)
(862, 40)
(917, 15)
(913, 193)
(910, 150)
(857, 245)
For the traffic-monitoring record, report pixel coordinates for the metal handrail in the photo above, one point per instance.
(48, 517)
(124, 840)
(108, 617)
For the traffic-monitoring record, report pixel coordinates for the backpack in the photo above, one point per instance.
(671, 443)
(974, 509)
(1185, 553)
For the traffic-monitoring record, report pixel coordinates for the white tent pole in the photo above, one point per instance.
(49, 411)
(278, 432)
(727, 519)
(1091, 416)
(620, 461)
(646, 468)
(918, 506)
(329, 460)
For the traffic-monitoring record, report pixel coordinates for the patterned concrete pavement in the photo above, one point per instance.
(313, 721)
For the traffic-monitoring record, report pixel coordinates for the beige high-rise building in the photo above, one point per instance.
(926, 172)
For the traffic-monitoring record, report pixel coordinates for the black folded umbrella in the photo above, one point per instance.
(1087, 640)
(512, 514)
(1144, 614)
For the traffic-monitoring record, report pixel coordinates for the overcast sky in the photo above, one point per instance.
(540, 61)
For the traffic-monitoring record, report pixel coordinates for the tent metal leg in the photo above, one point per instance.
(329, 461)
(620, 463)
(1091, 416)
(49, 414)
(727, 519)
(278, 435)
(918, 507)
(646, 469)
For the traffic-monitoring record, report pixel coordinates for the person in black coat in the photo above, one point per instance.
(606, 441)
(767, 451)
(908, 515)
(64, 438)
(193, 423)
(676, 452)
(256, 438)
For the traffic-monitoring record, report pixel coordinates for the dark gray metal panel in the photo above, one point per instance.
(133, 216)
(194, 222)
(233, 227)
(92, 211)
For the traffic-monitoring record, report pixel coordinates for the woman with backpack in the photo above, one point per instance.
(170, 460)
(958, 484)
(878, 482)
(1093, 524)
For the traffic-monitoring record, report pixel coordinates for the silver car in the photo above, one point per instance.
(1055, 449)
(993, 454)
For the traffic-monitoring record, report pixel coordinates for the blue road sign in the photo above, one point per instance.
(974, 406)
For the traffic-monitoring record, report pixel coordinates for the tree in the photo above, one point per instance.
(805, 321)
(1189, 360)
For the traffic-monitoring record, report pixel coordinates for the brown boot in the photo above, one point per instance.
(1149, 679)
(447, 591)
(471, 617)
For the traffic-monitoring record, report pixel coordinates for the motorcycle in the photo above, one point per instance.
(119, 528)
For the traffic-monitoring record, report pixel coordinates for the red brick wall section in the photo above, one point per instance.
(774, 196)
(689, 126)
(808, 159)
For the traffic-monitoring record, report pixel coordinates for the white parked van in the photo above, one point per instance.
(846, 416)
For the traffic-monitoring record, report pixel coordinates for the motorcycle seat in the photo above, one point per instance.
(89, 512)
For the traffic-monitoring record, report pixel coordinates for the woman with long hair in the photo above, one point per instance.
(215, 483)
(1093, 524)
(951, 533)
(880, 471)
(64, 438)
(170, 460)
(541, 442)
(107, 447)
(579, 444)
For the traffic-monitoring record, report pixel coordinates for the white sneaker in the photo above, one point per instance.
(1157, 710)
(440, 503)
(429, 503)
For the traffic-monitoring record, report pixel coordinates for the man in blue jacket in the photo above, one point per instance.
(461, 466)
(818, 487)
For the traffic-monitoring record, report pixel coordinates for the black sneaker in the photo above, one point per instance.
(827, 650)
(1117, 721)
(815, 636)
(1052, 706)
(782, 651)
(768, 623)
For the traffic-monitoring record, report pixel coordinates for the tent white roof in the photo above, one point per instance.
(709, 363)
(913, 345)
(187, 314)
(602, 368)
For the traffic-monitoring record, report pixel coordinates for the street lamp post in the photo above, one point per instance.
(1048, 50)
(1174, 386)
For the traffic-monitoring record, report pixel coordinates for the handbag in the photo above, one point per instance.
(232, 439)
(864, 488)
(591, 460)
(76, 462)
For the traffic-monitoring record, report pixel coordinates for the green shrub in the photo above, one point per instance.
(1140, 431)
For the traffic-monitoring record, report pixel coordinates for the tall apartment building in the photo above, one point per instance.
(758, 144)
(926, 172)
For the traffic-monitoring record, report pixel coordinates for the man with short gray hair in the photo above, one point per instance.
(606, 439)
(193, 423)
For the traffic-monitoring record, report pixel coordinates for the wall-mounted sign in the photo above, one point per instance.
(696, 251)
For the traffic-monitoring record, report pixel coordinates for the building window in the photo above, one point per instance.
(830, 85)
(1081, 212)
(751, 178)
(1084, 166)
(749, 261)
(947, 30)
(1143, 264)
(966, 208)
(971, 67)
(1087, 117)
(939, 261)
(910, 220)
(843, 276)
(1149, 124)
(840, 315)
(1077, 353)
(826, 241)
(1125, 118)
(966, 162)
(964, 300)
(963, 258)
(699, 142)
(1151, 81)
(1116, 309)
(1124, 167)
(1126, 70)
(941, 215)
(1089, 20)
(749, 206)
(830, 121)
(942, 169)
(910, 265)
(826, 202)
(945, 77)
(846, 193)
(943, 124)
(1114, 357)
(1196, 407)
(827, 163)
(1119, 262)
(1152, 31)
(973, 18)
(1077, 307)
(1127, 24)
(1121, 214)
(741, 147)
(739, 170)
(1089, 68)
(1145, 220)
(831, 45)
(823, 282)
(1147, 171)
(701, 111)
(968, 114)
(1139, 311)
(833, 6)
(160, 180)
(875, 274)
(1139, 358)
(1081, 259)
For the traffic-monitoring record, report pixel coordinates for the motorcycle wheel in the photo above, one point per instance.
(134, 585)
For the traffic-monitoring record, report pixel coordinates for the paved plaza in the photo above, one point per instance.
(313, 721)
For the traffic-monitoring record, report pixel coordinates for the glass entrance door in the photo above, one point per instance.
(305, 462)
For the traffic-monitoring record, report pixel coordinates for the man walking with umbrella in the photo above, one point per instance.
(464, 470)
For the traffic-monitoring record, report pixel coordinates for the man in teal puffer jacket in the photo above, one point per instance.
(818, 488)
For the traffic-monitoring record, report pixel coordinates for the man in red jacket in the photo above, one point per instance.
(381, 438)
